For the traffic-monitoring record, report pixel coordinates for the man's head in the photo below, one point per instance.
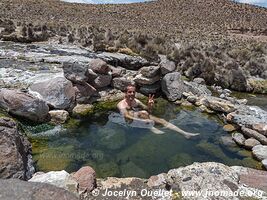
(130, 92)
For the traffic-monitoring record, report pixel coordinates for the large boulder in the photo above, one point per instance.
(197, 89)
(15, 189)
(173, 86)
(123, 60)
(84, 92)
(150, 89)
(142, 80)
(61, 179)
(23, 105)
(15, 152)
(121, 83)
(57, 92)
(166, 66)
(150, 71)
(101, 81)
(75, 72)
(99, 66)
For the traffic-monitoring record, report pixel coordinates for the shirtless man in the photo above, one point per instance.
(132, 108)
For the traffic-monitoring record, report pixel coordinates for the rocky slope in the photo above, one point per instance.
(183, 19)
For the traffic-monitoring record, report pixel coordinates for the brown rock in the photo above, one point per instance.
(229, 127)
(99, 66)
(86, 177)
(83, 92)
(251, 142)
(102, 81)
(261, 128)
(254, 178)
(15, 152)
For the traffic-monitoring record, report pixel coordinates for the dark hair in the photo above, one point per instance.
(131, 85)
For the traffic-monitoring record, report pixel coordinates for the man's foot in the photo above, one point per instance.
(156, 131)
(190, 135)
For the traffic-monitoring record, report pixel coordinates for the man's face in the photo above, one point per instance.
(130, 93)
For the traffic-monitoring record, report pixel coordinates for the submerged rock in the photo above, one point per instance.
(239, 138)
(15, 152)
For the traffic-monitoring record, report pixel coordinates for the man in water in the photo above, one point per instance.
(132, 108)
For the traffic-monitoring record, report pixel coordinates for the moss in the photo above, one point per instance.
(213, 150)
(112, 139)
(72, 123)
(31, 129)
(250, 162)
(130, 169)
(108, 169)
(101, 107)
(181, 159)
(52, 159)
(83, 110)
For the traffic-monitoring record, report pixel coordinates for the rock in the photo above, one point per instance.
(166, 66)
(102, 81)
(126, 61)
(61, 179)
(260, 152)
(15, 189)
(117, 71)
(251, 142)
(173, 86)
(218, 104)
(264, 163)
(86, 177)
(75, 72)
(248, 116)
(83, 92)
(261, 128)
(200, 81)
(98, 66)
(142, 80)
(254, 134)
(227, 141)
(82, 110)
(15, 152)
(252, 178)
(192, 99)
(229, 127)
(150, 89)
(120, 184)
(205, 109)
(150, 71)
(23, 105)
(197, 89)
(59, 116)
(186, 104)
(58, 93)
(122, 82)
(239, 138)
(157, 181)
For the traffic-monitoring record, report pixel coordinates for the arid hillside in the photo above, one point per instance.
(175, 19)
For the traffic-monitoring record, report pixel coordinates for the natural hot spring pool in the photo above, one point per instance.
(115, 150)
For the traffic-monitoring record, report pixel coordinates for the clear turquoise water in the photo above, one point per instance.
(116, 150)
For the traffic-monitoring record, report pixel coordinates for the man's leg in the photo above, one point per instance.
(172, 126)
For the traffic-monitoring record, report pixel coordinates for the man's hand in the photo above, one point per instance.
(150, 102)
